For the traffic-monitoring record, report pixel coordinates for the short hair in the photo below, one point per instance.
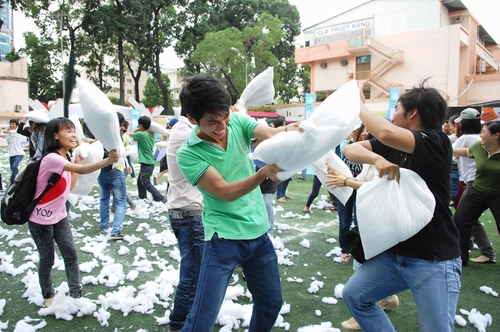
(429, 102)
(125, 124)
(50, 143)
(493, 127)
(452, 119)
(470, 126)
(121, 118)
(145, 121)
(279, 122)
(16, 121)
(203, 94)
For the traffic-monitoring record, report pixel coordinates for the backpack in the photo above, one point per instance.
(19, 200)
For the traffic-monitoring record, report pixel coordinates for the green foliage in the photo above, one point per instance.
(153, 95)
(263, 108)
(41, 68)
(12, 55)
(114, 100)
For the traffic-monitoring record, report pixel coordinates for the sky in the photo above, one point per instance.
(311, 12)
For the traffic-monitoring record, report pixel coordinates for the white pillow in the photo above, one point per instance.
(100, 116)
(78, 127)
(326, 128)
(321, 170)
(158, 128)
(91, 153)
(389, 212)
(38, 116)
(258, 92)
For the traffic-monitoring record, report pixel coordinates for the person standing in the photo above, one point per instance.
(185, 206)
(112, 182)
(485, 190)
(215, 159)
(145, 143)
(49, 220)
(16, 152)
(428, 263)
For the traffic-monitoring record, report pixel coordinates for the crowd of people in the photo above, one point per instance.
(220, 202)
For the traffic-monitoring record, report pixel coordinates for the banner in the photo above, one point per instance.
(310, 99)
(393, 100)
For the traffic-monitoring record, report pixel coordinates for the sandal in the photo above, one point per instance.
(288, 197)
(330, 209)
(306, 210)
(345, 258)
(281, 200)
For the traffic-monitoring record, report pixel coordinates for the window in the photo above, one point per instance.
(129, 80)
(363, 67)
(129, 91)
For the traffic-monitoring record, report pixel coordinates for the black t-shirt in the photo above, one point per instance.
(431, 160)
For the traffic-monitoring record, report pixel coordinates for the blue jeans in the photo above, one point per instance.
(435, 286)
(112, 182)
(132, 174)
(44, 237)
(281, 188)
(268, 202)
(454, 183)
(14, 166)
(190, 236)
(260, 264)
(144, 183)
(345, 213)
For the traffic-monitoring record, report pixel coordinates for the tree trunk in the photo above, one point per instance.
(122, 71)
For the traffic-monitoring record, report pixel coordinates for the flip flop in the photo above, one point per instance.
(345, 258)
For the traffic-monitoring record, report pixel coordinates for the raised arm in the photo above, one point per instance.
(361, 153)
(263, 132)
(461, 152)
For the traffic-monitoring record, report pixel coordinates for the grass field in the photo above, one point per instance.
(309, 264)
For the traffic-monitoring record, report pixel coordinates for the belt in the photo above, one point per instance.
(180, 214)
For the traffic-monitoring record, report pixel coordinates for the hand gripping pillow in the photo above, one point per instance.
(389, 213)
(320, 170)
(91, 153)
(100, 116)
(260, 91)
(326, 128)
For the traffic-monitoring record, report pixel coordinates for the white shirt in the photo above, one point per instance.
(466, 166)
(14, 143)
(181, 194)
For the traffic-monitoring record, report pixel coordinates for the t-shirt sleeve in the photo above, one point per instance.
(247, 124)
(474, 148)
(191, 165)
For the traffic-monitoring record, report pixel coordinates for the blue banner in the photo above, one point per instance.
(310, 99)
(393, 100)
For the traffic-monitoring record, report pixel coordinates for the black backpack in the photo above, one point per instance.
(19, 200)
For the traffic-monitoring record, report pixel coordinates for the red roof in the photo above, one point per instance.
(263, 114)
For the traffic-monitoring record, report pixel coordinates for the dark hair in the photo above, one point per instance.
(86, 130)
(145, 122)
(16, 121)
(125, 124)
(470, 126)
(452, 119)
(121, 118)
(359, 131)
(39, 127)
(50, 143)
(430, 104)
(280, 121)
(493, 127)
(203, 94)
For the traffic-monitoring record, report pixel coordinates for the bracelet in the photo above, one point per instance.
(345, 182)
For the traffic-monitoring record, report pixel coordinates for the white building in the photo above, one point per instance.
(397, 44)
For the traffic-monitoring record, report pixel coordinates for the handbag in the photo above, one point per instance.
(354, 245)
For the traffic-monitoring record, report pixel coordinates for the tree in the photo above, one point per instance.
(153, 95)
(12, 55)
(42, 84)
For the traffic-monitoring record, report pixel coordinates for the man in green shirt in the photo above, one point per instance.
(214, 158)
(145, 143)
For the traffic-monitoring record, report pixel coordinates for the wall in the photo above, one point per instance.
(14, 85)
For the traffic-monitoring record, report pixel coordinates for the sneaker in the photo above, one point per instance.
(118, 236)
(484, 259)
(351, 324)
(104, 231)
(390, 302)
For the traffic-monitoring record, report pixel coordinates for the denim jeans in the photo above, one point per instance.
(435, 286)
(112, 182)
(14, 166)
(260, 264)
(454, 177)
(144, 183)
(314, 192)
(190, 236)
(345, 213)
(268, 202)
(132, 174)
(281, 188)
(44, 237)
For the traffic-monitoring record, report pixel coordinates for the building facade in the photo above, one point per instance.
(6, 32)
(396, 44)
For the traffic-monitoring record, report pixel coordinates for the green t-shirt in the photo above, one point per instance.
(145, 144)
(487, 169)
(245, 218)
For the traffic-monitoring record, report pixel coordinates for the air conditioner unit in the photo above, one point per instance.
(458, 19)
(343, 62)
(323, 65)
(482, 66)
(19, 108)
